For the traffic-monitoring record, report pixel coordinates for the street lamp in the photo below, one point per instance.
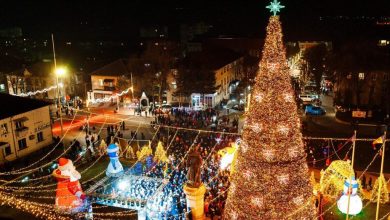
(59, 72)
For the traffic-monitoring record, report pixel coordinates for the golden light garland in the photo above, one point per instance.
(384, 196)
(30, 207)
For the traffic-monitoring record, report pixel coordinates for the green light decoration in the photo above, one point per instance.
(275, 7)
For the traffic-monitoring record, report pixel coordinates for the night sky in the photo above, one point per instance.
(244, 17)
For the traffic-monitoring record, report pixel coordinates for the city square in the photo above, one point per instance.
(195, 110)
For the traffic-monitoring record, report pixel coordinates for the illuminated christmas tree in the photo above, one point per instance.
(271, 180)
(160, 155)
(384, 196)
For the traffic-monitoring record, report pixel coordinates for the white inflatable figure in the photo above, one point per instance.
(115, 167)
(355, 202)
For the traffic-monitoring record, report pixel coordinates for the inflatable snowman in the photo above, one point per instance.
(69, 195)
(115, 167)
(355, 202)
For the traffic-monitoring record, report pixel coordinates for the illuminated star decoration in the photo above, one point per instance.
(259, 97)
(275, 7)
(256, 127)
(298, 200)
(244, 146)
(257, 201)
(248, 174)
(283, 179)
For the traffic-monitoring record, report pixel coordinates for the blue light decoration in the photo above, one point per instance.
(275, 7)
(355, 202)
(115, 167)
(149, 162)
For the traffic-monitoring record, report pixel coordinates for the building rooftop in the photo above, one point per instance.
(16, 105)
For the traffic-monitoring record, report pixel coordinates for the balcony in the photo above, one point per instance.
(109, 88)
(22, 131)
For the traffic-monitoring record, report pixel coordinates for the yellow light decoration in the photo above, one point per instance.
(333, 178)
(227, 156)
(33, 208)
(160, 155)
(384, 197)
(272, 165)
(144, 153)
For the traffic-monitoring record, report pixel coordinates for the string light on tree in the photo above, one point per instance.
(268, 156)
(293, 152)
(283, 179)
(244, 146)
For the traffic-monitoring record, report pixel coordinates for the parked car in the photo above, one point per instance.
(314, 110)
(308, 97)
(238, 107)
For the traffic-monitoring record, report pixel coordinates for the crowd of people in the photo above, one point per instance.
(171, 202)
(207, 119)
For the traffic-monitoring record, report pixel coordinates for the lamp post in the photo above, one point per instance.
(59, 72)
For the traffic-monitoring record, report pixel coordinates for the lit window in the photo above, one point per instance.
(361, 76)
(101, 82)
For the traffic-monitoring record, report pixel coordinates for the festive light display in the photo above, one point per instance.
(144, 153)
(108, 99)
(115, 167)
(69, 195)
(333, 178)
(40, 91)
(355, 202)
(228, 155)
(274, 7)
(384, 197)
(160, 155)
(266, 170)
(33, 208)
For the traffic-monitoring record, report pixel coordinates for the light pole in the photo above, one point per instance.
(59, 72)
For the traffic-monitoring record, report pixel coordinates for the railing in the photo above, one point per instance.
(22, 131)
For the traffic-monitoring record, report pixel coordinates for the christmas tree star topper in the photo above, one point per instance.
(275, 7)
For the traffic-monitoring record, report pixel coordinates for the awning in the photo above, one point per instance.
(21, 119)
(108, 80)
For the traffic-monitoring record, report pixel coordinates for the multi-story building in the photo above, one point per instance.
(25, 127)
(227, 67)
(105, 80)
(41, 76)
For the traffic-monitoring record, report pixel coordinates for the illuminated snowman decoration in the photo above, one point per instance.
(355, 202)
(115, 167)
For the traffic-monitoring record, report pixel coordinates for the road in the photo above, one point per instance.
(99, 117)
(329, 126)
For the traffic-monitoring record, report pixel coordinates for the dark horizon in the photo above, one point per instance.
(69, 18)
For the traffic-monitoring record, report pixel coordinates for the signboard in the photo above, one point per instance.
(42, 126)
(358, 114)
